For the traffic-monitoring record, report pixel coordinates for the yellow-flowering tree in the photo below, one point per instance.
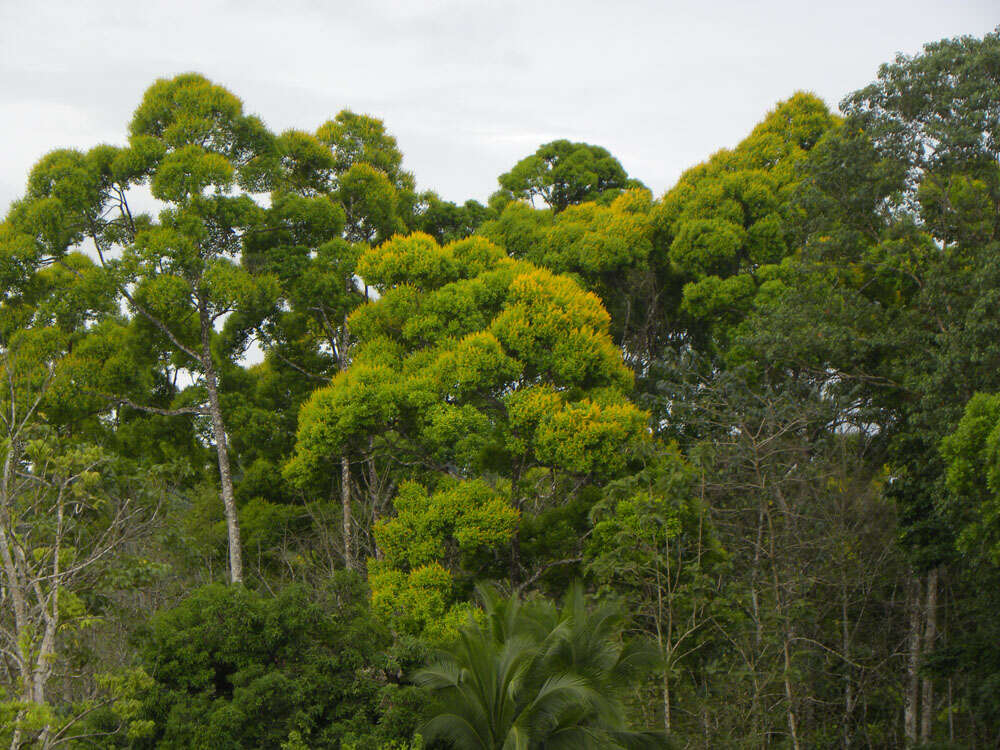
(609, 248)
(471, 365)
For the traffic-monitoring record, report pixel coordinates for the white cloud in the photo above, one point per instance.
(467, 87)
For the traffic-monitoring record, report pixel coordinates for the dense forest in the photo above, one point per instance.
(298, 456)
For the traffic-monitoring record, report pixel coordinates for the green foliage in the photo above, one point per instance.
(446, 221)
(474, 360)
(531, 676)
(362, 139)
(457, 393)
(235, 669)
(469, 364)
(432, 538)
(729, 219)
(563, 173)
(972, 455)
(608, 248)
(937, 112)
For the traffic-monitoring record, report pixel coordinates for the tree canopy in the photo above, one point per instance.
(307, 456)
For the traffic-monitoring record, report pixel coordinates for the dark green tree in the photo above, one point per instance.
(234, 669)
(894, 303)
(563, 173)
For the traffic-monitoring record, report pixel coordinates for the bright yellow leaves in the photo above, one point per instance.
(590, 240)
(586, 437)
(470, 363)
(412, 589)
(477, 361)
(416, 260)
(419, 602)
(458, 520)
(458, 333)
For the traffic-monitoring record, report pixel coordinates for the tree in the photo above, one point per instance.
(305, 338)
(972, 456)
(531, 676)
(231, 668)
(972, 504)
(377, 194)
(563, 173)
(893, 304)
(431, 539)
(653, 543)
(728, 223)
(362, 139)
(191, 143)
(471, 364)
(446, 221)
(68, 506)
(609, 249)
(333, 194)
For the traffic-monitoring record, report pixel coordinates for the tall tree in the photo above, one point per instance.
(563, 173)
(728, 223)
(471, 364)
(894, 304)
(653, 542)
(68, 506)
(610, 250)
(191, 143)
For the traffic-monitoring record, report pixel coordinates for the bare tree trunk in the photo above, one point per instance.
(930, 635)
(345, 501)
(222, 450)
(912, 663)
(662, 645)
(16, 583)
(789, 697)
(758, 629)
(845, 645)
(951, 715)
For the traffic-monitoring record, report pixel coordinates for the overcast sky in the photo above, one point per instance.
(467, 87)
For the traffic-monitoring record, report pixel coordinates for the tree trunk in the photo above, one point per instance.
(662, 645)
(222, 450)
(845, 635)
(758, 712)
(375, 493)
(930, 635)
(345, 501)
(789, 696)
(912, 663)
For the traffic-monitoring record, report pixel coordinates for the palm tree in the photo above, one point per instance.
(529, 675)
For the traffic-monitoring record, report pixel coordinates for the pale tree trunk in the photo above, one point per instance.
(15, 581)
(756, 707)
(375, 491)
(345, 500)
(34, 658)
(660, 641)
(930, 635)
(845, 636)
(340, 344)
(787, 628)
(33, 573)
(912, 663)
(789, 697)
(221, 449)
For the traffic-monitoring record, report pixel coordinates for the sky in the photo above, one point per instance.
(468, 87)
